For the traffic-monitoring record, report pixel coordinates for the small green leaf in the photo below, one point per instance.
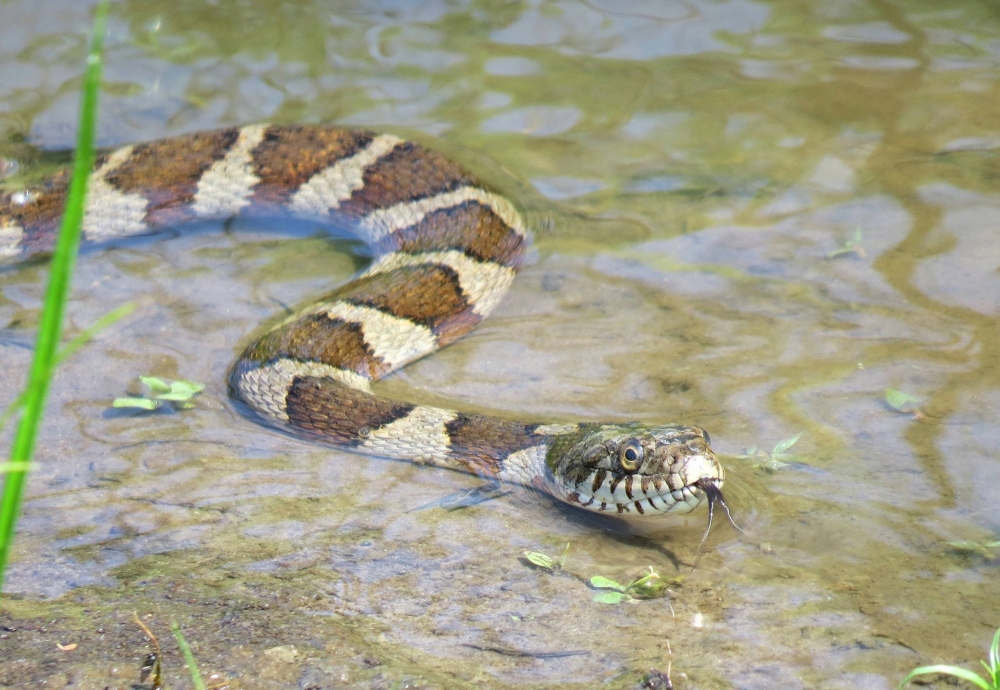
(174, 397)
(540, 559)
(610, 597)
(648, 587)
(190, 388)
(141, 403)
(182, 391)
(154, 384)
(898, 400)
(782, 446)
(605, 583)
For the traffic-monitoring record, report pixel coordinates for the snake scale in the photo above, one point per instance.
(445, 252)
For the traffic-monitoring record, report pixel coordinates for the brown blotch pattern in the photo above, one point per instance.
(289, 156)
(427, 294)
(408, 173)
(484, 442)
(167, 172)
(318, 338)
(328, 411)
(469, 227)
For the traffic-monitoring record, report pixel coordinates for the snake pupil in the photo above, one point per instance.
(630, 455)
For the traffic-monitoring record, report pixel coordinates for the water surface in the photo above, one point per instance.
(753, 216)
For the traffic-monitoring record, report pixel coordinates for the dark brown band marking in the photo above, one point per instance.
(332, 412)
(167, 172)
(289, 156)
(428, 294)
(486, 441)
(408, 173)
(469, 227)
(318, 338)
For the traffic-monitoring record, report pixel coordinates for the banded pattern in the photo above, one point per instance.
(446, 251)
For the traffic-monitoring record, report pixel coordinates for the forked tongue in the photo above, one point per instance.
(714, 495)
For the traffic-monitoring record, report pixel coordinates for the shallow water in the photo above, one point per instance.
(691, 170)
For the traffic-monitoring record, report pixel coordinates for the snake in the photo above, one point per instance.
(445, 249)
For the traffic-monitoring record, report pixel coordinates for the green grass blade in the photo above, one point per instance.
(199, 684)
(995, 655)
(6, 467)
(50, 329)
(956, 671)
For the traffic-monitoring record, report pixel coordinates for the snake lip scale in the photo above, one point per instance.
(446, 249)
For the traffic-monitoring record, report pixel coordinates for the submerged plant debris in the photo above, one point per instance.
(906, 403)
(649, 586)
(546, 562)
(849, 247)
(778, 457)
(176, 394)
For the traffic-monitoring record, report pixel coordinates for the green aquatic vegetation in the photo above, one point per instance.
(177, 394)
(649, 586)
(152, 667)
(196, 680)
(60, 275)
(850, 246)
(987, 549)
(778, 457)
(991, 682)
(546, 562)
(904, 402)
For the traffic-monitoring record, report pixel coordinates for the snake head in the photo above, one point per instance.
(629, 468)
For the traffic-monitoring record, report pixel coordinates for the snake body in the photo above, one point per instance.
(445, 252)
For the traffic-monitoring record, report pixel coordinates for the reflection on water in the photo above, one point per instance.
(754, 216)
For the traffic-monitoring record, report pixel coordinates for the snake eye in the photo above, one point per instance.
(630, 455)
